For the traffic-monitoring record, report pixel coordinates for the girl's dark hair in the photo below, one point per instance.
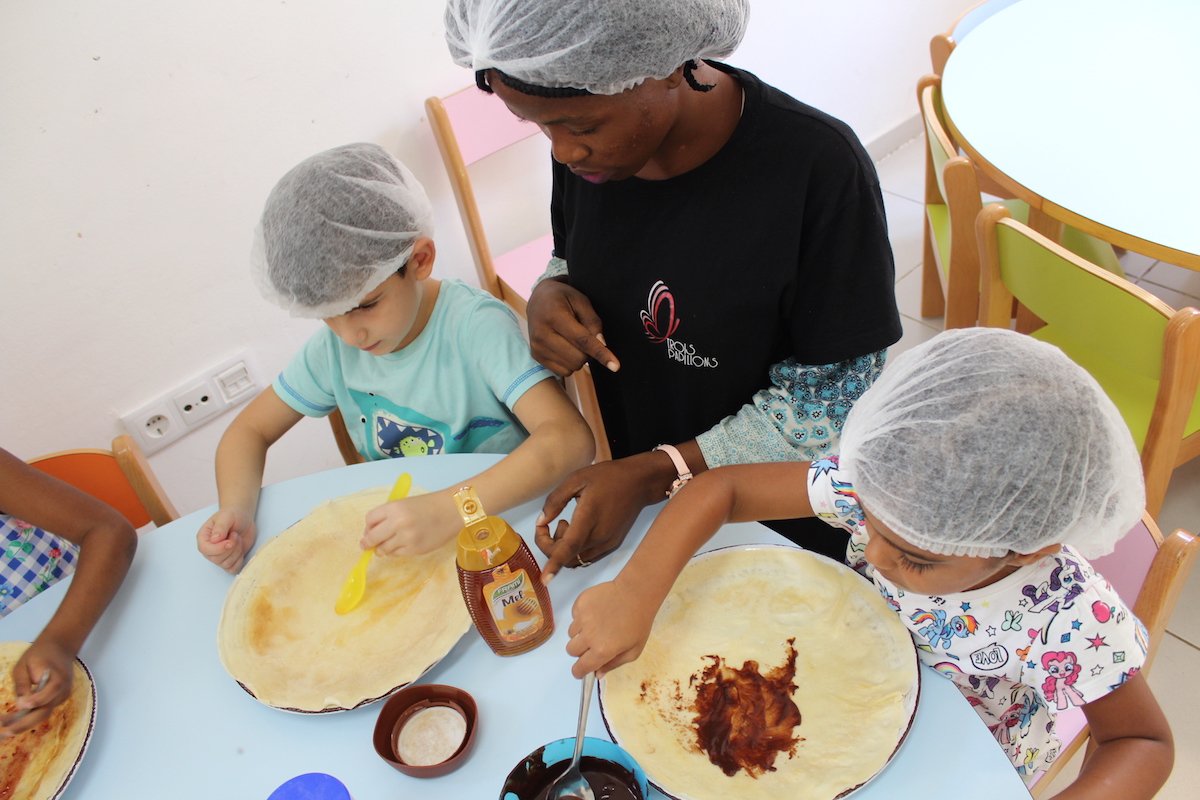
(481, 80)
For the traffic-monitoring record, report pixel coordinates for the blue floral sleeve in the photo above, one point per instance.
(798, 418)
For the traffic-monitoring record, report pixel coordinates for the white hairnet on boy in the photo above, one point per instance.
(601, 47)
(334, 227)
(983, 441)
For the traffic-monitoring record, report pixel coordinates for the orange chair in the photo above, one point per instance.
(1148, 573)
(469, 127)
(120, 477)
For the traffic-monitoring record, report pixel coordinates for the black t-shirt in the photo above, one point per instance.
(774, 248)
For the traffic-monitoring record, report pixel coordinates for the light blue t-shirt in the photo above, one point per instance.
(451, 390)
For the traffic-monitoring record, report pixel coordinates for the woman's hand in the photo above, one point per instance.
(414, 525)
(564, 330)
(45, 657)
(608, 498)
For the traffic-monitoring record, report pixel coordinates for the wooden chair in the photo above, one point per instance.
(950, 266)
(469, 126)
(1148, 573)
(345, 444)
(120, 477)
(1145, 354)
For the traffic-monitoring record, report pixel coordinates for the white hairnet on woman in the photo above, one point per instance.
(583, 46)
(334, 227)
(983, 441)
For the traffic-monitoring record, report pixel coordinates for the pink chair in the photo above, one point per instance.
(469, 126)
(1148, 573)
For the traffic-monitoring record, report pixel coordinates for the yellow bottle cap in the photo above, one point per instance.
(484, 542)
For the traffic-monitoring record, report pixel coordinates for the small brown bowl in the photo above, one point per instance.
(403, 705)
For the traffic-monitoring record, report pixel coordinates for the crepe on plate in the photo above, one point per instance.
(281, 639)
(856, 673)
(37, 764)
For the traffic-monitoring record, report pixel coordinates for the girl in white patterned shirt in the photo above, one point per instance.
(975, 476)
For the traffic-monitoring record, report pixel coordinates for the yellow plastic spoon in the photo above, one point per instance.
(356, 583)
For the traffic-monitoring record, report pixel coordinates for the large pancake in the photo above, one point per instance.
(37, 764)
(855, 674)
(281, 639)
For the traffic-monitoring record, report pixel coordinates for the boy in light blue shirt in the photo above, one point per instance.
(416, 366)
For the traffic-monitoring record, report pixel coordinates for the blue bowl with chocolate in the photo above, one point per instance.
(612, 772)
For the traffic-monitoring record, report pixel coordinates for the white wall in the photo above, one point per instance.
(138, 139)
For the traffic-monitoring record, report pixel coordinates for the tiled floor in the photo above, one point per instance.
(901, 175)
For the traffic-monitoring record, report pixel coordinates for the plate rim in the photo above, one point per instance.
(87, 737)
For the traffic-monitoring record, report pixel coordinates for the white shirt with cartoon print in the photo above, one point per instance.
(1049, 636)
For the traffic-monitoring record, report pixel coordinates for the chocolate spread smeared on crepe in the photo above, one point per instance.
(745, 718)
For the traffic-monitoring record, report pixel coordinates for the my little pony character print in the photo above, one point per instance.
(1048, 638)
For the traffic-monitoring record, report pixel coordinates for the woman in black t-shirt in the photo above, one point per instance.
(720, 250)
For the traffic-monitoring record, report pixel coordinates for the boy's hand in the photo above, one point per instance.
(44, 657)
(564, 330)
(609, 627)
(412, 526)
(226, 538)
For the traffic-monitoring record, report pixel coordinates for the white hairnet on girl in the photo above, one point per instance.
(334, 227)
(983, 441)
(601, 47)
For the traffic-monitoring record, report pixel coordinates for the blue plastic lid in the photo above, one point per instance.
(311, 786)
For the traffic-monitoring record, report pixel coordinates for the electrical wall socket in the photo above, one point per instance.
(192, 403)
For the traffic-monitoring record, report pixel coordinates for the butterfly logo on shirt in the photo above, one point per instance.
(658, 319)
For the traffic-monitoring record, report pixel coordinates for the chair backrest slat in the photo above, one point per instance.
(1042, 275)
(483, 124)
(120, 477)
(97, 473)
(941, 148)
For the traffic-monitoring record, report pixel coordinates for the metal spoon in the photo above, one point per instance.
(356, 583)
(572, 784)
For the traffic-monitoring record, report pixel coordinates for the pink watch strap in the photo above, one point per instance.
(681, 468)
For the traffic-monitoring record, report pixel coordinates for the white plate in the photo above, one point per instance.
(280, 638)
(56, 779)
(775, 593)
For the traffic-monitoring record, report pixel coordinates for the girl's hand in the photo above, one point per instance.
(411, 526)
(226, 537)
(610, 625)
(44, 657)
(564, 330)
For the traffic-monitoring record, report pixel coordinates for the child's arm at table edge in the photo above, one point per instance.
(107, 543)
(742, 493)
(1134, 750)
(559, 442)
(228, 535)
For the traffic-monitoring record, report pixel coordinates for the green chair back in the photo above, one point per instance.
(1110, 327)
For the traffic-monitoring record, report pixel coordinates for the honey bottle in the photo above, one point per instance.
(500, 580)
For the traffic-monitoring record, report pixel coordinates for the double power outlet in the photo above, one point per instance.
(194, 402)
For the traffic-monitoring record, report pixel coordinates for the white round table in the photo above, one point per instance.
(1090, 111)
(171, 723)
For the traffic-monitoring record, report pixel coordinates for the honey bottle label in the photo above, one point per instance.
(513, 604)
